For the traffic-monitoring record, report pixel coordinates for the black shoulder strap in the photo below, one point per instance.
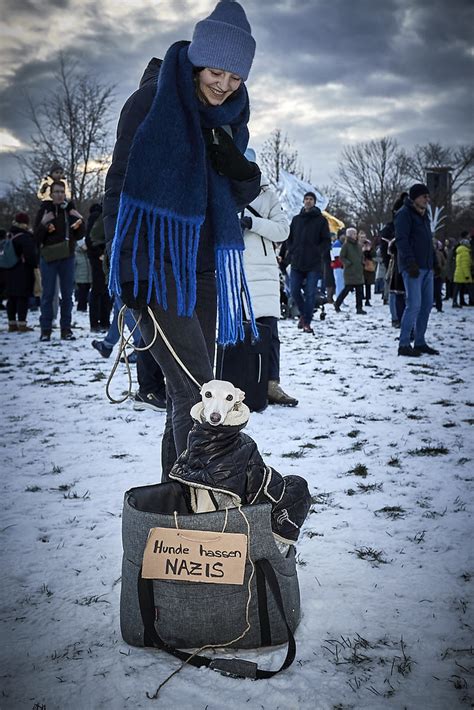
(253, 211)
(236, 667)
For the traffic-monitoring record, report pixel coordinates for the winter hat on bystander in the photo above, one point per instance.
(417, 190)
(224, 40)
(21, 220)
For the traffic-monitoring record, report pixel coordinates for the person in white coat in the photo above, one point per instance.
(264, 226)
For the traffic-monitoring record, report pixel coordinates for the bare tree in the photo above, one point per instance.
(71, 125)
(372, 175)
(278, 154)
(434, 155)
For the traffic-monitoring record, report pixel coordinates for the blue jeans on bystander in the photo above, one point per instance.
(306, 281)
(50, 271)
(418, 305)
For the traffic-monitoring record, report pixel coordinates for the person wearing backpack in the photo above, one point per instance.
(20, 277)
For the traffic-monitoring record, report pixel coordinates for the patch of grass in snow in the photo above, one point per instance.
(394, 512)
(449, 425)
(444, 403)
(94, 599)
(294, 454)
(98, 376)
(369, 487)
(56, 469)
(312, 533)
(394, 461)
(32, 489)
(459, 505)
(432, 514)
(72, 495)
(466, 576)
(469, 421)
(359, 469)
(462, 461)
(370, 554)
(429, 451)
(417, 537)
(353, 433)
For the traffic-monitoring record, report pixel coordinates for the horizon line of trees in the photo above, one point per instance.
(72, 125)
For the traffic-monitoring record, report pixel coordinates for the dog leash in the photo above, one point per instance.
(128, 342)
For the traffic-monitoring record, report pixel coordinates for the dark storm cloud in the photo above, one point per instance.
(406, 65)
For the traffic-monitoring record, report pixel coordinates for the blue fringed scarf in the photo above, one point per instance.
(169, 184)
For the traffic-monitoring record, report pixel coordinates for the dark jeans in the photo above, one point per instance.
(17, 306)
(359, 289)
(149, 373)
(306, 281)
(193, 339)
(274, 358)
(50, 271)
(82, 295)
(100, 304)
(368, 292)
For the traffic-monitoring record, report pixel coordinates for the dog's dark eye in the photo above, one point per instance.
(207, 394)
(229, 398)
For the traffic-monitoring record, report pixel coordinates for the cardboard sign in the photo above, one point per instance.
(195, 556)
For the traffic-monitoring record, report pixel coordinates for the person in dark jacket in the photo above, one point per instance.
(416, 260)
(352, 259)
(394, 286)
(308, 246)
(100, 304)
(57, 230)
(170, 209)
(20, 278)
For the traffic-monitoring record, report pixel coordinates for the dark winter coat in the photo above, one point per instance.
(62, 223)
(414, 238)
(223, 460)
(396, 284)
(351, 257)
(94, 249)
(20, 278)
(133, 113)
(309, 242)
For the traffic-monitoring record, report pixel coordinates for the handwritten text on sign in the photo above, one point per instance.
(195, 556)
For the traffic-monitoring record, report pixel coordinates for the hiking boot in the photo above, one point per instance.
(23, 328)
(307, 329)
(12, 326)
(149, 401)
(368, 303)
(395, 324)
(337, 308)
(300, 323)
(426, 349)
(408, 351)
(67, 334)
(45, 336)
(361, 312)
(101, 348)
(277, 396)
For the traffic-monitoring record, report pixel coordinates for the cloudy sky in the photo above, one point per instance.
(327, 72)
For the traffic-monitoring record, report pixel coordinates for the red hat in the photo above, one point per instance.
(22, 218)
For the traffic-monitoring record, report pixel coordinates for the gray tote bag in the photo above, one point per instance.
(173, 615)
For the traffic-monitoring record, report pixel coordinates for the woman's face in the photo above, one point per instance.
(216, 85)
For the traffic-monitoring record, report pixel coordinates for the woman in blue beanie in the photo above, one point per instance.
(177, 180)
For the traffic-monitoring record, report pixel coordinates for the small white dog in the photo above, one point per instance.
(219, 398)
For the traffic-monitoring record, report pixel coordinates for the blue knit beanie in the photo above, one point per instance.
(223, 40)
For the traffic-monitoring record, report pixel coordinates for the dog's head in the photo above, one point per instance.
(219, 398)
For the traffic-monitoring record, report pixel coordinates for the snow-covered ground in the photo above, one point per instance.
(385, 558)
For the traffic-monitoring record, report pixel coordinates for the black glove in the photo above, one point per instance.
(135, 302)
(227, 159)
(246, 222)
(413, 270)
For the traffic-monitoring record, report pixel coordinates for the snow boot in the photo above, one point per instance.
(23, 328)
(12, 326)
(277, 396)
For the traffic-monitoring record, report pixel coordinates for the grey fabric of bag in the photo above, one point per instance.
(194, 614)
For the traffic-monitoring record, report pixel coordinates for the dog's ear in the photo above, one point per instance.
(240, 395)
